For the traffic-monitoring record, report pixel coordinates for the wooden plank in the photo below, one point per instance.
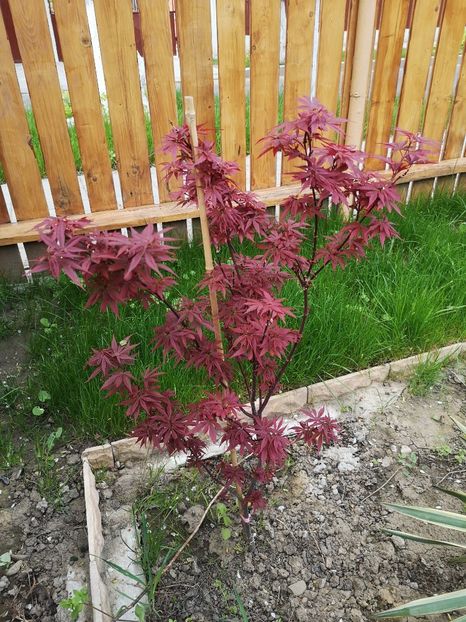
(457, 127)
(331, 29)
(12, 233)
(352, 7)
(17, 156)
(446, 59)
(361, 63)
(417, 61)
(76, 46)
(264, 74)
(231, 66)
(193, 23)
(118, 48)
(156, 35)
(300, 17)
(32, 30)
(392, 30)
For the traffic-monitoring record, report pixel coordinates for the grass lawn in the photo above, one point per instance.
(406, 298)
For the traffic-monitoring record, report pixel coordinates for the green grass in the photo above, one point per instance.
(406, 298)
(426, 375)
(109, 135)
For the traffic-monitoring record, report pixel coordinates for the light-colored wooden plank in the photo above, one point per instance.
(171, 212)
(231, 65)
(387, 65)
(421, 41)
(361, 64)
(348, 63)
(35, 45)
(457, 127)
(265, 59)
(118, 49)
(300, 15)
(156, 34)
(76, 46)
(18, 161)
(446, 60)
(331, 29)
(193, 23)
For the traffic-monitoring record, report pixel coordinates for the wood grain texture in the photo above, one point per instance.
(118, 48)
(300, 15)
(392, 29)
(331, 29)
(446, 60)
(16, 153)
(417, 61)
(33, 35)
(170, 211)
(76, 46)
(457, 127)
(156, 34)
(231, 65)
(348, 65)
(193, 23)
(265, 58)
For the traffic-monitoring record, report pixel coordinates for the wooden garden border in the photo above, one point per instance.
(112, 454)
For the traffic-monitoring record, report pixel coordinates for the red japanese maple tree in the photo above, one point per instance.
(260, 333)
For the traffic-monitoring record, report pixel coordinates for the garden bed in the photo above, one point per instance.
(318, 551)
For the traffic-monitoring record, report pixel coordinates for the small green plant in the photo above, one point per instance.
(408, 462)
(444, 450)
(43, 397)
(11, 454)
(441, 603)
(5, 559)
(75, 603)
(426, 375)
(49, 481)
(47, 325)
(224, 519)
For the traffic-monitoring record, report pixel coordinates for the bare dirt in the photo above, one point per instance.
(319, 552)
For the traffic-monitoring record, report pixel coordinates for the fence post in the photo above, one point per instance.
(361, 66)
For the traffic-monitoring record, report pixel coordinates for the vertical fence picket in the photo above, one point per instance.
(456, 132)
(231, 69)
(265, 59)
(119, 57)
(352, 9)
(331, 30)
(32, 31)
(298, 60)
(158, 58)
(193, 22)
(440, 95)
(76, 47)
(446, 60)
(16, 153)
(361, 61)
(387, 65)
(418, 59)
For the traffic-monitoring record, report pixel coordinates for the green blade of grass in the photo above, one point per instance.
(450, 520)
(416, 538)
(442, 603)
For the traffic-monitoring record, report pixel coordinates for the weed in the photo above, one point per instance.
(49, 481)
(426, 375)
(408, 461)
(75, 603)
(444, 450)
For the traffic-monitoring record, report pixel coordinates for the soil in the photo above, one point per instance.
(319, 552)
(46, 537)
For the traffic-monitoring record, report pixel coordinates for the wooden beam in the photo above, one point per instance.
(12, 233)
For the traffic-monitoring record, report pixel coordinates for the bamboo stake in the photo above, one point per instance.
(190, 115)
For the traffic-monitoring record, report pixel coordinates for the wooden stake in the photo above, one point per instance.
(190, 115)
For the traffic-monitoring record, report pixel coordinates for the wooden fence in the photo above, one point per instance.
(380, 64)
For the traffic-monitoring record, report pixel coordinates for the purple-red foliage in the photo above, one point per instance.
(260, 333)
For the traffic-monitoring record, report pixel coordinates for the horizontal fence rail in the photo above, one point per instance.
(83, 114)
